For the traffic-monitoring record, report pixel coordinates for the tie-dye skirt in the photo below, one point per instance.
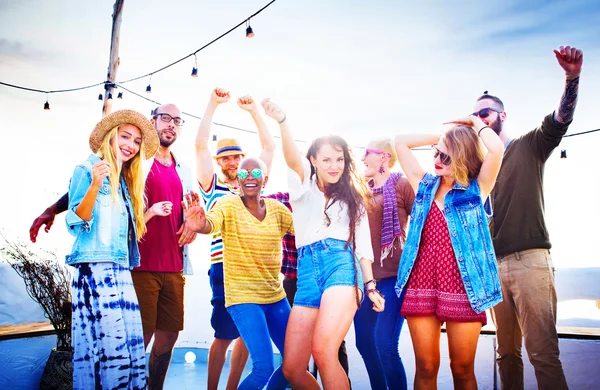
(107, 336)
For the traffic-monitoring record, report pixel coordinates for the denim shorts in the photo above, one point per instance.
(325, 264)
(220, 319)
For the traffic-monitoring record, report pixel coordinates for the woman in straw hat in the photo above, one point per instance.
(378, 334)
(334, 253)
(106, 215)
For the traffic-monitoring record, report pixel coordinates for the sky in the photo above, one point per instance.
(355, 68)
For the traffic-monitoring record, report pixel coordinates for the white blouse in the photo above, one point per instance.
(310, 224)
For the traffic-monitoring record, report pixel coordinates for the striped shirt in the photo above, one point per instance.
(253, 249)
(218, 189)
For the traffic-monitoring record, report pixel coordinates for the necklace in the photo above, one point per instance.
(165, 161)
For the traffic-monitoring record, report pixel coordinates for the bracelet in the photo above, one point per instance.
(374, 290)
(371, 281)
(283, 120)
(479, 132)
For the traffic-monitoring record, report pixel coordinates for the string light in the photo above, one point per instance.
(149, 87)
(249, 32)
(120, 95)
(109, 96)
(563, 153)
(46, 105)
(195, 68)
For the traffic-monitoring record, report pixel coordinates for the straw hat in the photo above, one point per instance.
(117, 118)
(228, 147)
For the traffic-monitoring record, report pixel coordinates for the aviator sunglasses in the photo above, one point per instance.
(256, 173)
(444, 158)
(485, 112)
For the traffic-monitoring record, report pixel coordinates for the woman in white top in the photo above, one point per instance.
(332, 236)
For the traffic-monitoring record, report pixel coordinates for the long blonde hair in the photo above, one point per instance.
(466, 151)
(132, 173)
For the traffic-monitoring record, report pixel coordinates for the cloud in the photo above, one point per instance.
(21, 51)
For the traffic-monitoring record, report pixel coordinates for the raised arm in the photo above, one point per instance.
(571, 60)
(204, 163)
(412, 169)
(47, 217)
(291, 153)
(194, 214)
(267, 142)
(493, 159)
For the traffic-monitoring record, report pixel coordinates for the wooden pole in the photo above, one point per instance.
(113, 64)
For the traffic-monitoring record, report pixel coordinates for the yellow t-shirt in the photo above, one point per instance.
(251, 249)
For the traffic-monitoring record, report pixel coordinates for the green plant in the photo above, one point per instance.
(47, 282)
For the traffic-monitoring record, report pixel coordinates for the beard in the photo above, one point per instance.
(496, 125)
(165, 142)
(229, 174)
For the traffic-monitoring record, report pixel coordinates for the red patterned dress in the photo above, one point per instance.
(435, 286)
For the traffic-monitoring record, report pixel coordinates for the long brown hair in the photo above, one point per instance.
(133, 175)
(350, 189)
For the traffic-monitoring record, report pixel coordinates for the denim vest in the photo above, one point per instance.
(467, 225)
(105, 237)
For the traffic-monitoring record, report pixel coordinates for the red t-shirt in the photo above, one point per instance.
(159, 250)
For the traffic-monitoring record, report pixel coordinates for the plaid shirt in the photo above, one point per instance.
(289, 253)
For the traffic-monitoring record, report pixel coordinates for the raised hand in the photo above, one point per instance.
(100, 170)
(220, 95)
(273, 110)
(570, 59)
(186, 235)
(247, 103)
(194, 214)
(471, 120)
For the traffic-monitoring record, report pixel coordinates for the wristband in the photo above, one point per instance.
(374, 290)
(283, 120)
(371, 281)
(484, 127)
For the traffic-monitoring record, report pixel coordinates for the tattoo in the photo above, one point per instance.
(566, 109)
(158, 366)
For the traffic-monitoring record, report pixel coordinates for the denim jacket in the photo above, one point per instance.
(104, 237)
(467, 225)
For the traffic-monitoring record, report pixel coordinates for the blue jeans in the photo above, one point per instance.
(377, 336)
(325, 264)
(258, 324)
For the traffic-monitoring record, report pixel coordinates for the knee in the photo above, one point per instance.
(292, 372)
(462, 370)
(164, 341)
(427, 368)
(262, 371)
(324, 355)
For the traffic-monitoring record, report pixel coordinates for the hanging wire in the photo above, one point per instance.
(147, 74)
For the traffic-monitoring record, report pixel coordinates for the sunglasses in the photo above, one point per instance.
(256, 173)
(444, 158)
(376, 151)
(485, 112)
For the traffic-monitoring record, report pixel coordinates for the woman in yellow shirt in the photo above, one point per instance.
(252, 229)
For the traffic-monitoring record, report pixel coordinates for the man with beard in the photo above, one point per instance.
(521, 240)
(212, 187)
(159, 280)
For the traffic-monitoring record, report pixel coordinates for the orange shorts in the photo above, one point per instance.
(160, 296)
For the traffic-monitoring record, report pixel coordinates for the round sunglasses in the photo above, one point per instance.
(256, 173)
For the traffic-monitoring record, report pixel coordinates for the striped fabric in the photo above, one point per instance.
(252, 249)
(218, 189)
